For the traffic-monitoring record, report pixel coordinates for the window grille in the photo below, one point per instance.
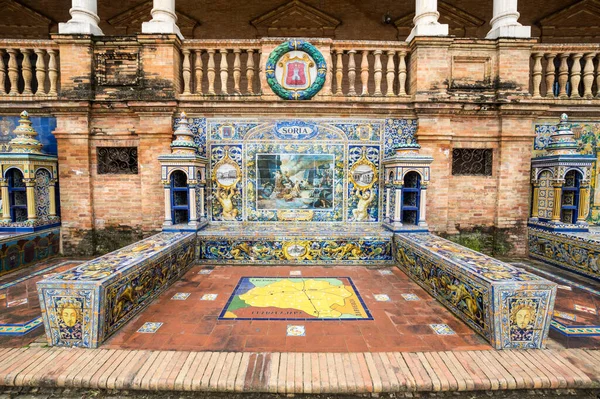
(472, 161)
(117, 160)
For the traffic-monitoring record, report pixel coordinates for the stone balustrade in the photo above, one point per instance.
(29, 69)
(223, 68)
(565, 72)
(371, 69)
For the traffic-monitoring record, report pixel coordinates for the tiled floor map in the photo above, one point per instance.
(276, 298)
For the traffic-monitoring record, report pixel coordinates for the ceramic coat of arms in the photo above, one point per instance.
(296, 70)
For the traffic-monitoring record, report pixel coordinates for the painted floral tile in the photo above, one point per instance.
(565, 315)
(208, 297)
(296, 331)
(205, 271)
(180, 296)
(296, 273)
(149, 327)
(585, 309)
(442, 329)
(385, 272)
(381, 297)
(410, 297)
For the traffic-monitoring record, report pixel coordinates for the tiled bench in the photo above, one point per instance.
(576, 252)
(21, 250)
(336, 244)
(85, 305)
(511, 308)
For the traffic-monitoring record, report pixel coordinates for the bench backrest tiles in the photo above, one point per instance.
(511, 308)
(83, 306)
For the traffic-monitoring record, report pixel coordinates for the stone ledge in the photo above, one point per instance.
(289, 373)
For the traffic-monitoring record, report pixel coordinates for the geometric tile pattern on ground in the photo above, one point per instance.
(311, 298)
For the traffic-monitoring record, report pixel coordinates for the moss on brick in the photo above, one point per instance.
(488, 240)
(101, 241)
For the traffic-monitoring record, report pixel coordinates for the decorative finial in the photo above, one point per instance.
(562, 142)
(564, 117)
(184, 138)
(26, 141)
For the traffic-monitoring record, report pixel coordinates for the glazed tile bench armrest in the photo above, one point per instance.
(511, 308)
(83, 306)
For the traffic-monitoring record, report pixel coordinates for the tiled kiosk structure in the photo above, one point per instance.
(559, 233)
(349, 176)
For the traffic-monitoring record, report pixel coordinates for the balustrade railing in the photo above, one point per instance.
(356, 69)
(369, 69)
(28, 69)
(565, 71)
(224, 68)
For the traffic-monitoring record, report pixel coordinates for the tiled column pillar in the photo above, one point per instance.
(536, 196)
(31, 213)
(388, 193)
(504, 22)
(168, 219)
(84, 19)
(5, 200)
(423, 205)
(583, 204)
(52, 194)
(557, 201)
(164, 19)
(426, 20)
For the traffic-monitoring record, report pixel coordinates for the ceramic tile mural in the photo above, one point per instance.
(20, 250)
(587, 135)
(508, 306)
(266, 149)
(85, 305)
(576, 252)
(295, 298)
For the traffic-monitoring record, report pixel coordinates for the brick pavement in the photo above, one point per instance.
(290, 372)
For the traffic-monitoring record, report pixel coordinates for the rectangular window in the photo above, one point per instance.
(472, 161)
(117, 160)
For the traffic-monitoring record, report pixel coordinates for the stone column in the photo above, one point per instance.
(426, 20)
(168, 220)
(84, 19)
(398, 205)
(557, 201)
(423, 205)
(164, 19)
(202, 215)
(192, 204)
(583, 204)
(535, 210)
(52, 194)
(504, 22)
(5, 200)
(31, 213)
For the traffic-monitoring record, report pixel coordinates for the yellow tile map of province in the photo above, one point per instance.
(295, 298)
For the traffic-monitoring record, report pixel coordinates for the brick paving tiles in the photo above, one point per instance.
(195, 325)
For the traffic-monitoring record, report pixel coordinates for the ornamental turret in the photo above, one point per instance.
(184, 138)
(26, 141)
(563, 141)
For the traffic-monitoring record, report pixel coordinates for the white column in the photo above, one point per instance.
(193, 211)
(398, 206)
(84, 19)
(202, 216)
(387, 204)
(423, 207)
(164, 19)
(426, 20)
(168, 219)
(504, 22)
